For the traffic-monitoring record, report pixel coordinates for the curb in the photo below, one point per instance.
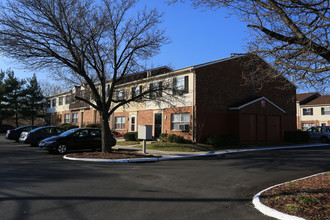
(272, 212)
(155, 159)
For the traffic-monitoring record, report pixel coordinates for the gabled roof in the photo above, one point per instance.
(254, 101)
(321, 100)
(303, 98)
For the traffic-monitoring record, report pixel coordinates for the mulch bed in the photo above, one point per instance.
(115, 154)
(308, 198)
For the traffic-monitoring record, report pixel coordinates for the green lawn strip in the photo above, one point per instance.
(127, 142)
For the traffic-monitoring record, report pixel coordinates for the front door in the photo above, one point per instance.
(133, 123)
(158, 124)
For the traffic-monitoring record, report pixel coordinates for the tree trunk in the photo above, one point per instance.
(106, 133)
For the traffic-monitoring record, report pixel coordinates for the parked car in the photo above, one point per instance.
(319, 133)
(14, 134)
(4, 128)
(117, 134)
(34, 136)
(75, 139)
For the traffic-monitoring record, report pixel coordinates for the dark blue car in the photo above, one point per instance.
(75, 139)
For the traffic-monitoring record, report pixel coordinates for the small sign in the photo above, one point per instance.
(263, 103)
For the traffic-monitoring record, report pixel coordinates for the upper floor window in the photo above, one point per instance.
(67, 99)
(83, 93)
(307, 111)
(136, 91)
(48, 103)
(54, 102)
(155, 89)
(60, 101)
(180, 85)
(325, 111)
(120, 95)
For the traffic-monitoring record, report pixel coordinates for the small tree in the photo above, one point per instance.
(14, 94)
(33, 102)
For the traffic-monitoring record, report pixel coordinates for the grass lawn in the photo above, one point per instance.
(127, 142)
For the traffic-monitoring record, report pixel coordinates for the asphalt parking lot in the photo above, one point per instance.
(38, 185)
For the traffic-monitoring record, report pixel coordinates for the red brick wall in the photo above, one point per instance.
(221, 85)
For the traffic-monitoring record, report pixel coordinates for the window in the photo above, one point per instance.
(136, 91)
(180, 122)
(73, 99)
(120, 123)
(54, 102)
(307, 111)
(48, 103)
(180, 85)
(83, 93)
(67, 99)
(60, 101)
(66, 118)
(74, 117)
(325, 111)
(120, 95)
(155, 89)
(305, 126)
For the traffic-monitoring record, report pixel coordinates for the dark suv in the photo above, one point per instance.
(34, 136)
(75, 139)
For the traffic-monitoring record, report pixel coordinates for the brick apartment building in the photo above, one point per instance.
(216, 101)
(312, 110)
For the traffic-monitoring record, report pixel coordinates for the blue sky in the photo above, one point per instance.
(196, 37)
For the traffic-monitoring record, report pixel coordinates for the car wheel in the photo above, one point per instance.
(62, 149)
(324, 139)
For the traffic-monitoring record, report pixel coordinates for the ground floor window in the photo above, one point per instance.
(305, 126)
(180, 122)
(66, 118)
(74, 117)
(120, 123)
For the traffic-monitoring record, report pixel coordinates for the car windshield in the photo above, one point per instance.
(67, 133)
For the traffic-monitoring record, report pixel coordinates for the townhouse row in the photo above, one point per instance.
(312, 110)
(204, 100)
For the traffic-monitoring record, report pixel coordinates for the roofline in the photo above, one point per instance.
(256, 100)
(219, 60)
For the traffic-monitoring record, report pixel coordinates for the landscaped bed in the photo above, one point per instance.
(115, 154)
(308, 198)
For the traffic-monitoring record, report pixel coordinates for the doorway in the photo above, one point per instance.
(133, 123)
(158, 124)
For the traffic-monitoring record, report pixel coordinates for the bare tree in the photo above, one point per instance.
(98, 41)
(292, 34)
(49, 88)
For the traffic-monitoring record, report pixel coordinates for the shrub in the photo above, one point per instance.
(68, 126)
(223, 140)
(93, 126)
(177, 139)
(297, 136)
(131, 136)
(171, 138)
(163, 137)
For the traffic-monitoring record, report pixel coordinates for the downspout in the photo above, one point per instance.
(193, 107)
